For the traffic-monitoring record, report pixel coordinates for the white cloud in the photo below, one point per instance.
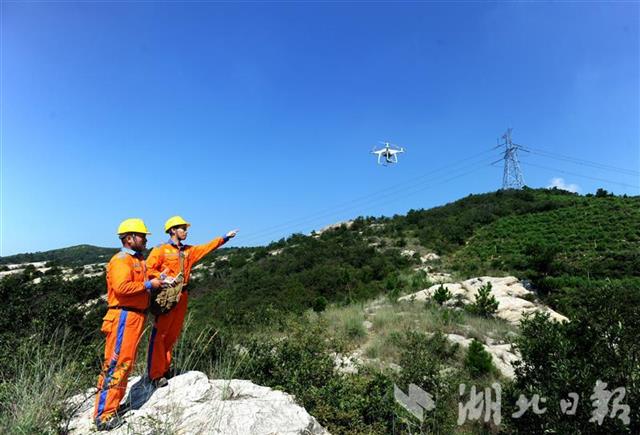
(560, 184)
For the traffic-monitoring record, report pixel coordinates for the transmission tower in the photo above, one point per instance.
(512, 176)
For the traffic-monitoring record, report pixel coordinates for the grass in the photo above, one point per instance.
(345, 323)
(46, 370)
(391, 320)
(44, 373)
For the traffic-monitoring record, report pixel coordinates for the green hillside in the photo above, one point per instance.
(596, 237)
(296, 302)
(534, 233)
(446, 228)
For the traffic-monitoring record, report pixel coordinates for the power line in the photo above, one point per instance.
(583, 176)
(350, 204)
(582, 162)
(377, 201)
(426, 181)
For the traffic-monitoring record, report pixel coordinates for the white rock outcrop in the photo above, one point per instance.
(194, 404)
(431, 256)
(67, 273)
(335, 226)
(512, 296)
(503, 355)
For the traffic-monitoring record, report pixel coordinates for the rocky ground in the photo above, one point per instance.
(514, 300)
(194, 404)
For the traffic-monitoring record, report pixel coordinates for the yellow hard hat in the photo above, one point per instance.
(133, 225)
(174, 221)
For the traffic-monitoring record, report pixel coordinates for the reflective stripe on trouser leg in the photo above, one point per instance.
(102, 399)
(122, 345)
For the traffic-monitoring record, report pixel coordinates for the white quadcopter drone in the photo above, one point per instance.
(389, 153)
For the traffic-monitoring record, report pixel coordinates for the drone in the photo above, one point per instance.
(389, 152)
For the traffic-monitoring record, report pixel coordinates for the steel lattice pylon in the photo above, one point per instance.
(512, 176)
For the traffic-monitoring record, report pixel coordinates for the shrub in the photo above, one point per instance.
(477, 360)
(300, 365)
(441, 295)
(599, 343)
(486, 304)
(353, 327)
(420, 281)
(423, 362)
(392, 286)
(319, 304)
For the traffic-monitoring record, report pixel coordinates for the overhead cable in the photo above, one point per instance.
(583, 176)
(582, 162)
(372, 200)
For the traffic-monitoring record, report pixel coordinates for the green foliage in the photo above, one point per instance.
(28, 309)
(566, 292)
(594, 237)
(354, 328)
(423, 361)
(441, 295)
(419, 281)
(300, 364)
(486, 304)
(599, 343)
(339, 266)
(319, 304)
(477, 360)
(360, 404)
(392, 286)
(601, 193)
(296, 364)
(448, 227)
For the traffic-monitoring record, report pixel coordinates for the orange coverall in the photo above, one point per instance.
(128, 299)
(167, 327)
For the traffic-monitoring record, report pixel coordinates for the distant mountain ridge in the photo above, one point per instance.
(78, 255)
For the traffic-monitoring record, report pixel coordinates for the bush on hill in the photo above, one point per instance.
(599, 343)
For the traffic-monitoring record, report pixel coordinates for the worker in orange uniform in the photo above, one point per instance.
(128, 289)
(166, 258)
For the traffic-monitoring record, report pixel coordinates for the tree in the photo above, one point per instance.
(601, 193)
(486, 304)
(477, 360)
(600, 343)
(319, 304)
(541, 257)
(441, 295)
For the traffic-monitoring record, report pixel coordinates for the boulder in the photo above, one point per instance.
(514, 300)
(431, 256)
(193, 404)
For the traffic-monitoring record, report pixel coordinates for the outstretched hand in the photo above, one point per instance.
(232, 234)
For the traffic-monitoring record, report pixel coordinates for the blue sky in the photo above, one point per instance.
(261, 116)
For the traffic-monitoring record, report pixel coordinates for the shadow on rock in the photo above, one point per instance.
(139, 394)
